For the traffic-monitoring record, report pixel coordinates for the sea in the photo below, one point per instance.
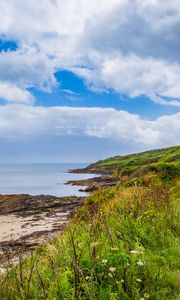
(38, 179)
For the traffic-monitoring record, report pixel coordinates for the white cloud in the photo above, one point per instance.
(14, 94)
(135, 76)
(129, 46)
(90, 122)
(23, 69)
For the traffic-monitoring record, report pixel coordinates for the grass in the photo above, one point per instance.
(132, 162)
(123, 243)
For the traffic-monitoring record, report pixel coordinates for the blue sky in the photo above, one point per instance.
(81, 86)
(7, 45)
(73, 91)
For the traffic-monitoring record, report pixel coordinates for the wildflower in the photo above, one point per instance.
(146, 296)
(134, 252)
(138, 280)
(104, 262)
(110, 275)
(88, 278)
(142, 299)
(122, 280)
(112, 269)
(114, 249)
(94, 244)
(140, 263)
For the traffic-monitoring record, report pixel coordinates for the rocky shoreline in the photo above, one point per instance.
(94, 184)
(27, 221)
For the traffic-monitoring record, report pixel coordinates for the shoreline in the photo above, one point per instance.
(28, 221)
(93, 184)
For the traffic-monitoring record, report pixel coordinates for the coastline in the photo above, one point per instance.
(95, 183)
(28, 220)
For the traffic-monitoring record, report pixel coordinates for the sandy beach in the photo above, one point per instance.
(27, 221)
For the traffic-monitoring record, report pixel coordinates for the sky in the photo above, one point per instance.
(83, 80)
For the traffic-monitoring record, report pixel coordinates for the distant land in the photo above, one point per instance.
(132, 162)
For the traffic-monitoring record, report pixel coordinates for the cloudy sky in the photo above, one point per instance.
(82, 80)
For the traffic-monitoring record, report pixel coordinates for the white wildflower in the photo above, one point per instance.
(138, 280)
(88, 278)
(104, 262)
(140, 263)
(114, 249)
(122, 280)
(146, 296)
(112, 269)
(110, 275)
(134, 252)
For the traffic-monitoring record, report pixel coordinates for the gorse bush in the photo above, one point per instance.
(122, 244)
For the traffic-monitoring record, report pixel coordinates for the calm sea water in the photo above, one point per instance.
(36, 179)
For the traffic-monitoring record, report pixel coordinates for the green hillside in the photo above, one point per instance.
(135, 161)
(139, 159)
(123, 243)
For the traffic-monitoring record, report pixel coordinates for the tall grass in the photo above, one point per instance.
(122, 244)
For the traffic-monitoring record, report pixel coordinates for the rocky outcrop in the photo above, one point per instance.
(24, 205)
(27, 221)
(95, 183)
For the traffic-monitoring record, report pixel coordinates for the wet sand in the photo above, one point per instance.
(27, 221)
(13, 227)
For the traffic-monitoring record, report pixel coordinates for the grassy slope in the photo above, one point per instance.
(138, 160)
(143, 158)
(122, 244)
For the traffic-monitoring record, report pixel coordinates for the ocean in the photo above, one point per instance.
(37, 179)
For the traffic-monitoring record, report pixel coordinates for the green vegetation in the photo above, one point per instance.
(123, 243)
(133, 162)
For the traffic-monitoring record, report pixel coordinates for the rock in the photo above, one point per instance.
(95, 183)
(27, 221)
